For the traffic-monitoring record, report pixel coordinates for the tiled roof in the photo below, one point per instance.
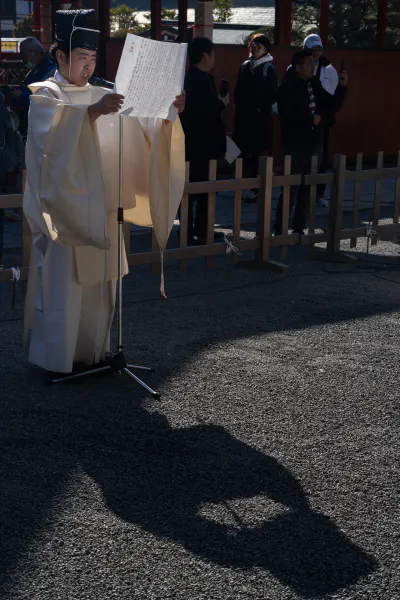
(144, 5)
(230, 36)
(250, 15)
(254, 15)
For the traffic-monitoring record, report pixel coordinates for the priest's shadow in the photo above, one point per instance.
(225, 502)
(199, 486)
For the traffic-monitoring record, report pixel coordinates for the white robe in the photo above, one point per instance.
(71, 201)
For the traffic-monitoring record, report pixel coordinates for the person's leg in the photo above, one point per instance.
(298, 163)
(303, 193)
(255, 159)
(57, 308)
(190, 233)
(199, 171)
(190, 230)
(301, 209)
(325, 160)
(1, 236)
(252, 171)
(247, 164)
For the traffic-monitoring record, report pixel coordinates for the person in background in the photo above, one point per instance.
(327, 74)
(255, 97)
(303, 105)
(40, 68)
(204, 129)
(11, 152)
(3, 171)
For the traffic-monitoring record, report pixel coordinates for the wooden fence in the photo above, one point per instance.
(263, 241)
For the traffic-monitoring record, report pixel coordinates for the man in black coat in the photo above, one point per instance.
(326, 72)
(303, 104)
(204, 129)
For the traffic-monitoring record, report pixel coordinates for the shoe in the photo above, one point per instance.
(191, 240)
(299, 232)
(322, 203)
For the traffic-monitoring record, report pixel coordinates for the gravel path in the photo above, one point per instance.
(269, 469)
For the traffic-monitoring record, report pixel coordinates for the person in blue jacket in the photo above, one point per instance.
(41, 68)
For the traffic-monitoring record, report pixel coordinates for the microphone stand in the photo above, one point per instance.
(117, 362)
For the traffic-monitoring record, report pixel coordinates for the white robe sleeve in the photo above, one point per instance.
(167, 178)
(65, 193)
(159, 192)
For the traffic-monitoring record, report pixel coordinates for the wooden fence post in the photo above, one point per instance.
(336, 204)
(184, 220)
(237, 208)
(262, 168)
(396, 214)
(212, 199)
(377, 197)
(356, 200)
(264, 209)
(287, 170)
(313, 204)
(264, 199)
(26, 241)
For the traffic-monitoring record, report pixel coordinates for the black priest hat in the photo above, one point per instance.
(77, 29)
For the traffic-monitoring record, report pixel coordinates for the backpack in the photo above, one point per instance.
(267, 65)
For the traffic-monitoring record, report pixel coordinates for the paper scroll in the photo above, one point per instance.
(150, 76)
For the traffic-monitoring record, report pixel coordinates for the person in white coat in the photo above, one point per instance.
(327, 74)
(71, 198)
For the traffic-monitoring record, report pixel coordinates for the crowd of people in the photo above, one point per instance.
(310, 94)
(307, 100)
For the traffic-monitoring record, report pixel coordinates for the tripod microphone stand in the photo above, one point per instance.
(117, 362)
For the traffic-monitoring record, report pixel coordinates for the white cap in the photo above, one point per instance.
(312, 40)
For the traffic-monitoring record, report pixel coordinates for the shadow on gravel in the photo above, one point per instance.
(194, 485)
(183, 484)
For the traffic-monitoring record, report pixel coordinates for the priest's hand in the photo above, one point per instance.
(180, 102)
(107, 105)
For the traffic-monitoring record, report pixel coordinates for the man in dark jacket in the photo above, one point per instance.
(203, 127)
(326, 72)
(255, 96)
(303, 105)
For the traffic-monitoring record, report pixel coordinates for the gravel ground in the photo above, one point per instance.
(268, 469)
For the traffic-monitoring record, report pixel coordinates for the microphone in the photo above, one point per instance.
(100, 82)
